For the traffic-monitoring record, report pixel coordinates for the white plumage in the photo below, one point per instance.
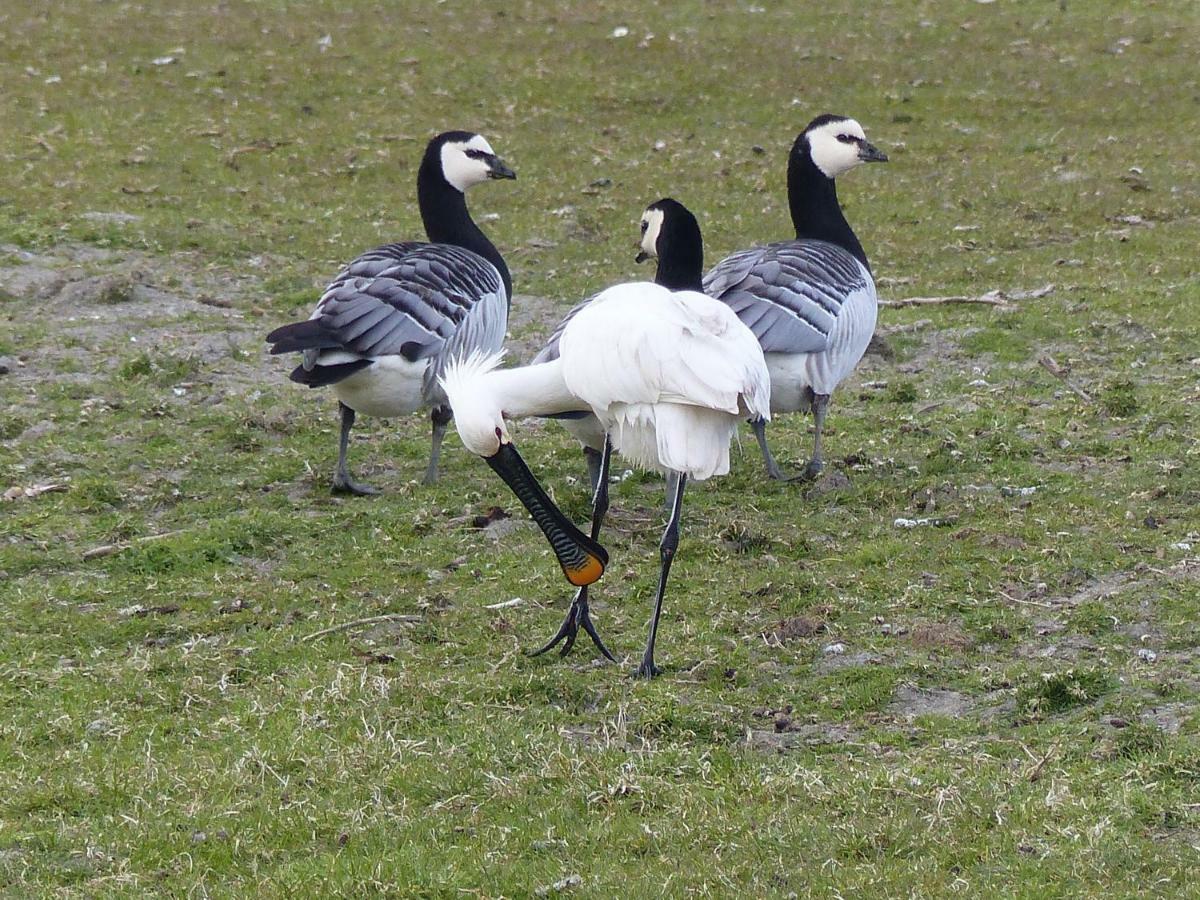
(668, 375)
(670, 391)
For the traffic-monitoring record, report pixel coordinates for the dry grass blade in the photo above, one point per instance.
(359, 623)
(1048, 363)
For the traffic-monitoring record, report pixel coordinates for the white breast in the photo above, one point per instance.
(390, 386)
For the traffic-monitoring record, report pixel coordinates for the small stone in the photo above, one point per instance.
(563, 884)
(1145, 654)
(7, 364)
(834, 649)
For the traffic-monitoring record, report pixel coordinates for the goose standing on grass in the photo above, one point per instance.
(810, 301)
(668, 374)
(386, 326)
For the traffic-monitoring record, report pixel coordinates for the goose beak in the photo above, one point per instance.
(498, 169)
(582, 559)
(642, 256)
(868, 152)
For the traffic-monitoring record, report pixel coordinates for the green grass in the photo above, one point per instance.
(166, 727)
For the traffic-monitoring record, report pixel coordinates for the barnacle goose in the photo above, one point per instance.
(668, 374)
(386, 326)
(810, 301)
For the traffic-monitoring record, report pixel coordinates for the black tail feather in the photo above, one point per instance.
(306, 335)
(319, 376)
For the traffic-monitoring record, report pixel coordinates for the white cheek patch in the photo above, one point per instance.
(654, 220)
(460, 170)
(831, 156)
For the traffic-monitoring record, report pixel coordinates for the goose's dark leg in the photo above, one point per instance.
(440, 417)
(666, 550)
(577, 615)
(594, 461)
(343, 482)
(820, 405)
(760, 433)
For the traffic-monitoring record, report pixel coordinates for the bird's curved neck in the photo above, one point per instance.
(816, 213)
(535, 390)
(447, 221)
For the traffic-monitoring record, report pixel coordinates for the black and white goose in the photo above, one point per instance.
(810, 301)
(386, 326)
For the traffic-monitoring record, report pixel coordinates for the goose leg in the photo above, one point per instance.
(666, 549)
(760, 433)
(594, 460)
(820, 406)
(440, 417)
(577, 615)
(343, 481)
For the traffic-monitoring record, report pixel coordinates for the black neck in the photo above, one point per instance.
(447, 221)
(680, 251)
(816, 212)
(680, 270)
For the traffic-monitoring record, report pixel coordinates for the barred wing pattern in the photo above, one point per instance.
(790, 293)
(413, 300)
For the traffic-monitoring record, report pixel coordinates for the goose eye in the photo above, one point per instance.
(847, 139)
(645, 225)
(475, 154)
(499, 434)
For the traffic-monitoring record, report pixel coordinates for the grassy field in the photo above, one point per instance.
(998, 701)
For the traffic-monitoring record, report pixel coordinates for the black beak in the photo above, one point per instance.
(868, 152)
(498, 169)
(582, 559)
(642, 256)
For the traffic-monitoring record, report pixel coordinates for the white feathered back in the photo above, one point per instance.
(672, 389)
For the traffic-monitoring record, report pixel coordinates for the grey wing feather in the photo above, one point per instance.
(789, 294)
(409, 299)
(549, 353)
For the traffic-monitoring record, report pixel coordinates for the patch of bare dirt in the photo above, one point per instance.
(798, 735)
(1140, 577)
(911, 702)
(530, 322)
(939, 636)
(100, 304)
(1169, 717)
(794, 628)
(833, 661)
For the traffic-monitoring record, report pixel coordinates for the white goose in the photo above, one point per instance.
(667, 373)
(810, 301)
(386, 326)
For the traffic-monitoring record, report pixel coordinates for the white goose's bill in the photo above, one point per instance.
(652, 221)
(838, 146)
(467, 163)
